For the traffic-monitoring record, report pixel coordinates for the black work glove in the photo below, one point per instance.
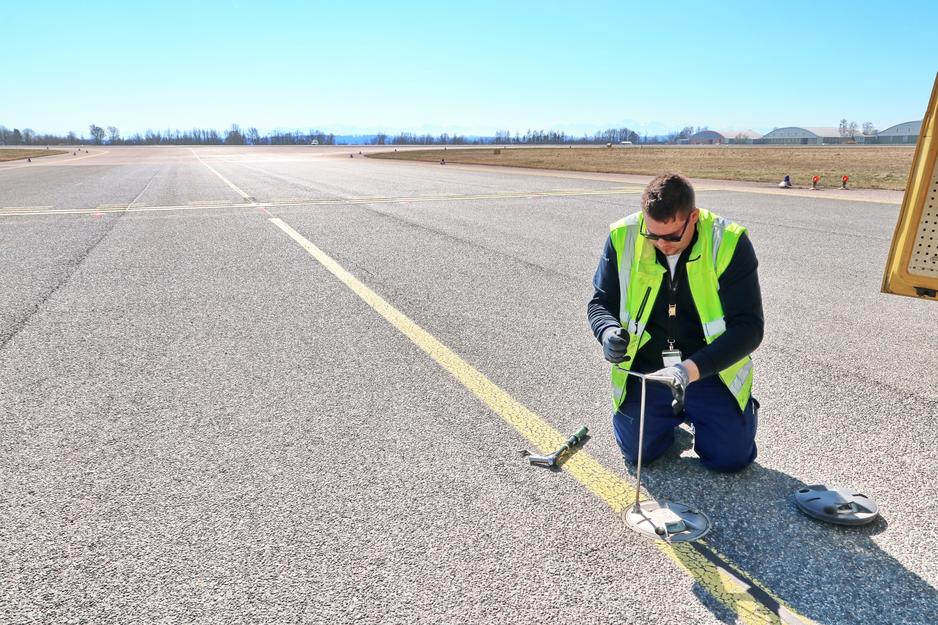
(615, 344)
(677, 378)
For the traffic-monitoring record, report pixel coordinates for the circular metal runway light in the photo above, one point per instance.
(668, 521)
(833, 504)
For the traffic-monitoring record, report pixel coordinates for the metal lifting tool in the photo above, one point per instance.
(551, 460)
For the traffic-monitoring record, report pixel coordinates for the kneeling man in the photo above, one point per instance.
(677, 294)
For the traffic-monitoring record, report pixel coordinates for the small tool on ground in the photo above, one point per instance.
(551, 460)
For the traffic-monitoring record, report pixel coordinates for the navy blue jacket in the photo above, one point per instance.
(740, 297)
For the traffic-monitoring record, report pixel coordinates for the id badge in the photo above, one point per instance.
(671, 357)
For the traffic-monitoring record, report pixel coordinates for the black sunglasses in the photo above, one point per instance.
(671, 238)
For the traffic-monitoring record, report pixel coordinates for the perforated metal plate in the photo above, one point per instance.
(668, 521)
(912, 266)
(834, 504)
(924, 258)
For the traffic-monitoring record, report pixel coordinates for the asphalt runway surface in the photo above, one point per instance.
(204, 420)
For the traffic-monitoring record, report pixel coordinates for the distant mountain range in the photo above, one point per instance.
(652, 128)
(346, 133)
(574, 130)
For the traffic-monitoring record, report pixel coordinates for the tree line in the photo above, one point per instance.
(235, 135)
(531, 137)
(194, 136)
(251, 136)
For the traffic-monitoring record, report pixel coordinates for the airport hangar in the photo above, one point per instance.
(793, 135)
(720, 137)
(905, 133)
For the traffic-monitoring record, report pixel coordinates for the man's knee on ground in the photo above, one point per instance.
(631, 456)
(728, 461)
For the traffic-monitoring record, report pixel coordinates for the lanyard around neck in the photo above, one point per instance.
(673, 284)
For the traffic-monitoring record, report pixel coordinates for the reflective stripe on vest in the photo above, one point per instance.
(719, 225)
(737, 384)
(631, 223)
(715, 328)
(640, 274)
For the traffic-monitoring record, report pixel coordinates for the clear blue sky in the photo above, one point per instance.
(475, 64)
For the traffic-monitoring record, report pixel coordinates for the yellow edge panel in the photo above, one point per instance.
(897, 279)
(616, 492)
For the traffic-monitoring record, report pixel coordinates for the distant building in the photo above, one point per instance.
(793, 135)
(717, 137)
(906, 132)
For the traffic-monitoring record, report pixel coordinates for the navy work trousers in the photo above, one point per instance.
(724, 436)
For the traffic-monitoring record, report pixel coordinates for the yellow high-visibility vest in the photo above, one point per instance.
(640, 278)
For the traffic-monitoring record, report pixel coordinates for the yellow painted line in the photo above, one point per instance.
(519, 170)
(23, 165)
(557, 174)
(612, 489)
(352, 201)
(485, 196)
(100, 153)
(62, 160)
(133, 208)
(817, 196)
(225, 180)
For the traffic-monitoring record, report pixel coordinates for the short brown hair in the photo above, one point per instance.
(667, 195)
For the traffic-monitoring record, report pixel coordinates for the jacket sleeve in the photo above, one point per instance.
(603, 308)
(741, 299)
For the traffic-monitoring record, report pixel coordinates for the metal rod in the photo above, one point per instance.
(641, 433)
(641, 436)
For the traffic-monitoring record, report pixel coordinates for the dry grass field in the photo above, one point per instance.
(870, 167)
(15, 154)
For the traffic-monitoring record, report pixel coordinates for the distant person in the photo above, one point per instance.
(442, 161)
(677, 294)
(786, 182)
